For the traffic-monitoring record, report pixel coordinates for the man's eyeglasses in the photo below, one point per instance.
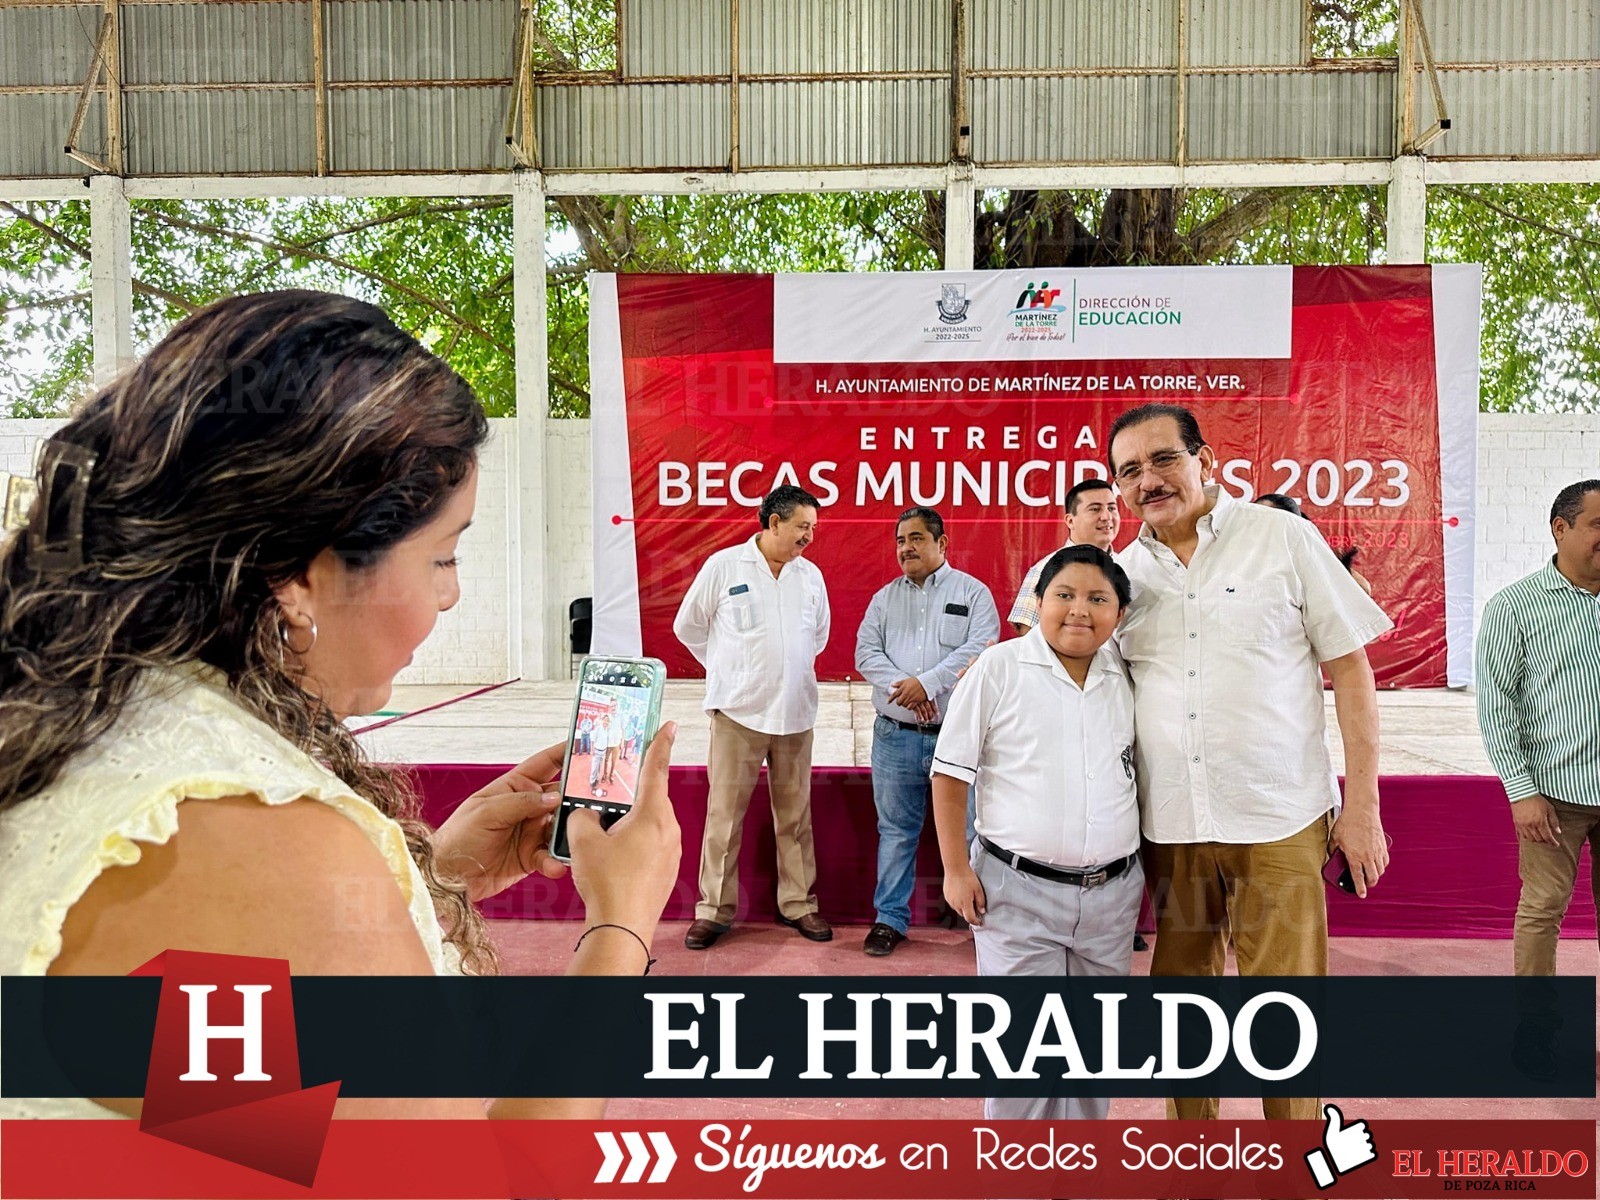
(1164, 462)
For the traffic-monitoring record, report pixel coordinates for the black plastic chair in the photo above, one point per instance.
(580, 624)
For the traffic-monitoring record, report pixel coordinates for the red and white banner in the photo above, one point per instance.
(1343, 1157)
(986, 395)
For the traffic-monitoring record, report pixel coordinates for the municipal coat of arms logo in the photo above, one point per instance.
(953, 303)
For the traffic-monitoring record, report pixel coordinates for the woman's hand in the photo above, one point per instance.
(501, 833)
(625, 874)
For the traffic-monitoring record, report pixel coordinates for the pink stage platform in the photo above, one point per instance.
(1454, 872)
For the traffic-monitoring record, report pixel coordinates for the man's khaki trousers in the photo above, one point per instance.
(1549, 874)
(736, 757)
(1268, 898)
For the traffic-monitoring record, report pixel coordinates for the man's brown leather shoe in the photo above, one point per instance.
(702, 935)
(809, 926)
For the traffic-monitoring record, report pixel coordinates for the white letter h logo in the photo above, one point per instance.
(200, 1033)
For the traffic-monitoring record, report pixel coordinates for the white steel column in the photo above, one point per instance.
(960, 217)
(534, 653)
(110, 276)
(1408, 210)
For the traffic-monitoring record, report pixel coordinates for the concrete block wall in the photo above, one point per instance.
(19, 440)
(571, 570)
(1523, 460)
(471, 643)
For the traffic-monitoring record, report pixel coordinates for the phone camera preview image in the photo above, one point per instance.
(610, 730)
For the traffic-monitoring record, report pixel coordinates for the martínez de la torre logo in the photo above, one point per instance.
(1047, 314)
(1037, 315)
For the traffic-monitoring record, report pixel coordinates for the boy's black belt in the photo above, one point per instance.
(912, 726)
(1087, 879)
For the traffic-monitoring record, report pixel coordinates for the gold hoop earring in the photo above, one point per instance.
(283, 635)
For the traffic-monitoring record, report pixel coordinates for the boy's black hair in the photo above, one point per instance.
(1091, 556)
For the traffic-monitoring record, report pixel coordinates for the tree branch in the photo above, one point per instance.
(1519, 218)
(50, 231)
(418, 210)
(571, 387)
(585, 222)
(365, 272)
(82, 251)
(47, 302)
(1209, 240)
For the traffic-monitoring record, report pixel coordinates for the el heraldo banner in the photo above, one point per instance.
(986, 395)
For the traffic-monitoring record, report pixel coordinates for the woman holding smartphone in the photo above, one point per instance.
(235, 546)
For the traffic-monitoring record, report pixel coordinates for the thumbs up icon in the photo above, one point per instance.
(1347, 1146)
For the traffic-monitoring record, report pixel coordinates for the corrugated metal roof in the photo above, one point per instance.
(418, 129)
(1495, 31)
(1018, 34)
(47, 45)
(872, 122)
(787, 37)
(216, 43)
(1545, 112)
(1242, 33)
(36, 130)
(222, 132)
(675, 37)
(659, 126)
(1242, 116)
(420, 39)
(1124, 118)
(1322, 114)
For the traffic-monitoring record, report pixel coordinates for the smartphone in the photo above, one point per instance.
(1336, 873)
(614, 716)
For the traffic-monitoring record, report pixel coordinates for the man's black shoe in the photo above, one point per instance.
(881, 940)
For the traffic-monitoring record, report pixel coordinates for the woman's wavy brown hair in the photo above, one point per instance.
(260, 432)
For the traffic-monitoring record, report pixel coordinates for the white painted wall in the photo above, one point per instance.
(1523, 460)
(19, 440)
(471, 643)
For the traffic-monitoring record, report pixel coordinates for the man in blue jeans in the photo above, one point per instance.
(920, 632)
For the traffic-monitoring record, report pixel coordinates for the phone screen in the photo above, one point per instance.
(610, 731)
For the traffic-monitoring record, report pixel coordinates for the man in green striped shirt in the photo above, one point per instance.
(1538, 670)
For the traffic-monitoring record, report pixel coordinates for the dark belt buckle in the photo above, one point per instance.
(1094, 878)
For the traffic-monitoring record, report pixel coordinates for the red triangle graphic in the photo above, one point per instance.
(282, 1135)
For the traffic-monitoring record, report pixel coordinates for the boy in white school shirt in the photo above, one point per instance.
(1043, 726)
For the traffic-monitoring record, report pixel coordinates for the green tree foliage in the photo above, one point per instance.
(1540, 247)
(576, 35)
(45, 345)
(443, 266)
(1166, 227)
(1354, 28)
(832, 231)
